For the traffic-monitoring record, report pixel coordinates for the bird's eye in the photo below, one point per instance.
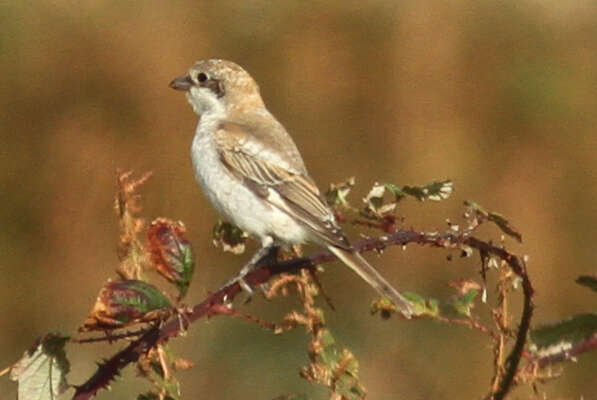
(201, 77)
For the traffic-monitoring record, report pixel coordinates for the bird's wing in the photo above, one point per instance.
(278, 180)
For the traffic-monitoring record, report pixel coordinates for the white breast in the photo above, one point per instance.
(234, 200)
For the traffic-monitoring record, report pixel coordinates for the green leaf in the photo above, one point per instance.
(229, 237)
(464, 303)
(140, 296)
(41, 372)
(329, 354)
(347, 384)
(171, 252)
(563, 335)
(333, 367)
(589, 281)
(377, 205)
(435, 191)
(481, 214)
(337, 193)
(127, 302)
(383, 306)
(422, 306)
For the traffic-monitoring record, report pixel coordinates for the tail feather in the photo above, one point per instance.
(370, 275)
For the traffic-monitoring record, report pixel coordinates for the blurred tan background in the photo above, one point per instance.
(500, 97)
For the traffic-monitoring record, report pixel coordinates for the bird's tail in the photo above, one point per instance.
(363, 269)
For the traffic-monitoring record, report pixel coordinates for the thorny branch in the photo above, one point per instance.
(500, 316)
(581, 347)
(535, 363)
(111, 337)
(212, 305)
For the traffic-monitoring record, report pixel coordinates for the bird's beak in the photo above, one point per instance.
(183, 83)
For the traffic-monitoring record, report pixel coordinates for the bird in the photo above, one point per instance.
(250, 169)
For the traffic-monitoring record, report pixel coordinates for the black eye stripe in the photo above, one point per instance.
(215, 86)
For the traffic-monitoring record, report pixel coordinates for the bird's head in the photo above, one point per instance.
(218, 86)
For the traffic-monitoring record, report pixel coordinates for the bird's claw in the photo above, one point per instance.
(243, 285)
(248, 291)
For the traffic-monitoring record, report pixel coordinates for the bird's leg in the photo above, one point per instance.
(270, 258)
(263, 254)
(262, 257)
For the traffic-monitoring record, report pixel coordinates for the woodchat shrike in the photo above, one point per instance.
(253, 174)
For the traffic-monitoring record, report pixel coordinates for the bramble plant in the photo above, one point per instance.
(129, 307)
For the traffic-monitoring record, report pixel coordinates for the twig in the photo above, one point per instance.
(518, 266)
(579, 348)
(470, 322)
(109, 337)
(500, 316)
(223, 309)
(108, 370)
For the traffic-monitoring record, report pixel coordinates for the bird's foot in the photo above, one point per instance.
(245, 287)
(263, 256)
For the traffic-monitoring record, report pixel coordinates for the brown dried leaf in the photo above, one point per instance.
(171, 252)
(229, 237)
(481, 214)
(130, 250)
(463, 286)
(124, 303)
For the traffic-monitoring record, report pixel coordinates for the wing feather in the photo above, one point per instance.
(297, 195)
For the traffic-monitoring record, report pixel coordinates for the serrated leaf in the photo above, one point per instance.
(422, 306)
(378, 205)
(463, 286)
(229, 237)
(329, 354)
(346, 382)
(561, 336)
(127, 302)
(333, 367)
(375, 205)
(41, 372)
(464, 303)
(589, 281)
(434, 191)
(470, 296)
(337, 193)
(171, 252)
(499, 220)
(342, 366)
(414, 298)
(156, 366)
(383, 306)
(352, 365)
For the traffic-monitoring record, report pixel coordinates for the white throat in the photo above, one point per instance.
(206, 103)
